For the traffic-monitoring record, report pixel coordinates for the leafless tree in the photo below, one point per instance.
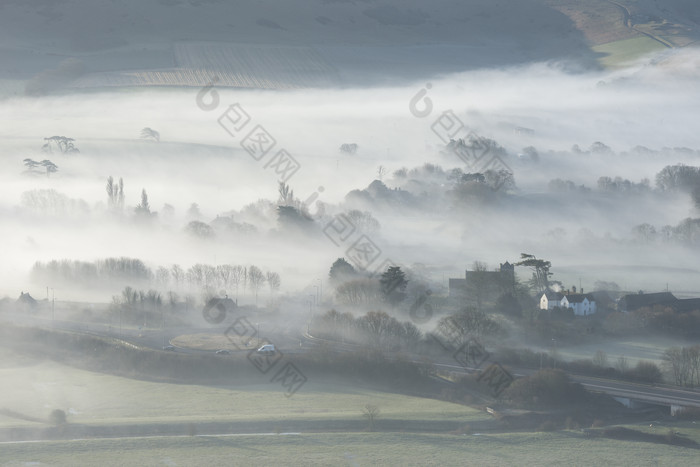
(273, 281)
(178, 275)
(238, 274)
(256, 279)
(370, 412)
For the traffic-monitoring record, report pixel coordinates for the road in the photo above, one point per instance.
(156, 338)
(627, 19)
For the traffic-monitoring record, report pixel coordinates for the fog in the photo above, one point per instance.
(651, 103)
(164, 160)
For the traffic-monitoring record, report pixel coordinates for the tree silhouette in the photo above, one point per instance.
(256, 278)
(540, 270)
(61, 143)
(393, 285)
(115, 193)
(341, 271)
(370, 412)
(149, 133)
(49, 166)
(273, 280)
(143, 208)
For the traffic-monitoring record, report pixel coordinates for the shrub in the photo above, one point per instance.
(546, 387)
(645, 371)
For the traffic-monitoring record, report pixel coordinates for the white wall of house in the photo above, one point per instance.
(582, 308)
(546, 304)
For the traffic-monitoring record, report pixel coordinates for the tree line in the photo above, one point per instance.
(201, 277)
(375, 328)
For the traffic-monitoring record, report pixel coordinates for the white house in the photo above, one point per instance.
(550, 300)
(582, 304)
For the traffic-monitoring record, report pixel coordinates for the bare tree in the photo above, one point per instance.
(224, 271)
(358, 292)
(684, 365)
(370, 412)
(162, 277)
(237, 276)
(210, 277)
(601, 359)
(273, 281)
(256, 279)
(178, 275)
(195, 275)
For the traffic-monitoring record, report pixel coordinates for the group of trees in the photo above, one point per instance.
(355, 288)
(115, 194)
(376, 329)
(469, 322)
(85, 273)
(683, 363)
(623, 186)
(134, 306)
(686, 232)
(212, 279)
(672, 178)
(115, 199)
(654, 320)
(678, 177)
(199, 277)
(60, 144)
(33, 166)
(49, 202)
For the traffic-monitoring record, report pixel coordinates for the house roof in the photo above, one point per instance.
(686, 305)
(578, 297)
(635, 301)
(552, 295)
(26, 298)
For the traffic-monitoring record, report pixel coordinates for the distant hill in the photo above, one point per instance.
(360, 39)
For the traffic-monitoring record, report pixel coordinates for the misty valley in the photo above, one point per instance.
(356, 233)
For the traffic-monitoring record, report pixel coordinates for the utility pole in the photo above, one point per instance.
(53, 306)
(162, 324)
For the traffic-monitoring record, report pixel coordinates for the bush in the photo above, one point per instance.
(645, 371)
(688, 413)
(546, 387)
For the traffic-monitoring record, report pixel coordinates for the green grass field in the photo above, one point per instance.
(352, 449)
(633, 349)
(322, 424)
(618, 53)
(35, 388)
